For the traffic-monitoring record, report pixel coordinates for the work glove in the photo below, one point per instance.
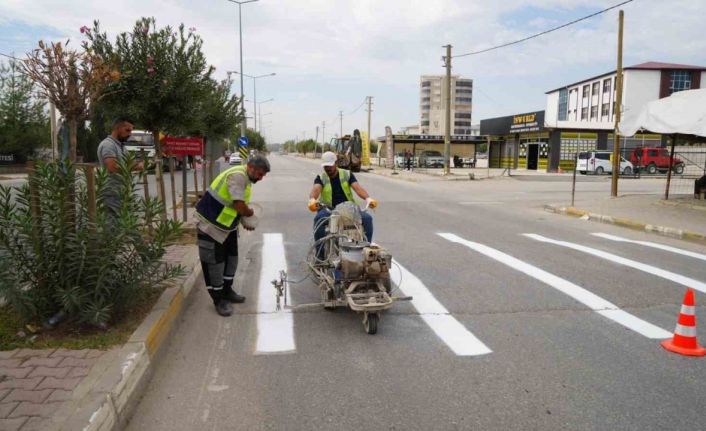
(313, 205)
(371, 203)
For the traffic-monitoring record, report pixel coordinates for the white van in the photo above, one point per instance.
(599, 162)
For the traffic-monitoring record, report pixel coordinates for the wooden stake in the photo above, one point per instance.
(172, 168)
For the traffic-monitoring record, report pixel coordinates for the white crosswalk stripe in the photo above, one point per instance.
(459, 339)
(275, 329)
(668, 275)
(652, 244)
(578, 293)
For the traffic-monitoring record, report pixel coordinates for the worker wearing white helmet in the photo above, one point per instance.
(332, 187)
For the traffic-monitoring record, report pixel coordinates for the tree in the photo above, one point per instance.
(72, 80)
(164, 77)
(219, 115)
(24, 126)
(307, 146)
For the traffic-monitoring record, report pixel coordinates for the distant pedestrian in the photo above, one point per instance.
(110, 152)
(408, 159)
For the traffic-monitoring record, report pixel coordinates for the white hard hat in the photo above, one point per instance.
(328, 159)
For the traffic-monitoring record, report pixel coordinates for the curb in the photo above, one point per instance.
(107, 397)
(628, 223)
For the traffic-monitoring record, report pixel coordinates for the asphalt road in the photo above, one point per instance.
(552, 331)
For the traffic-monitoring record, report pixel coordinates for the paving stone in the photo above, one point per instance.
(4, 392)
(36, 423)
(41, 362)
(12, 424)
(67, 353)
(7, 408)
(53, 383)
(75, 362)
(29, 383)
(44, 410)
(15, 373)
(37, 396)
(10, 363)
(30, 353)
(78, 372)
(92, 354)
(49, 372)
(7, 354)
(59, 395)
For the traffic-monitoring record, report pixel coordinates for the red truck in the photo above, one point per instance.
(655, 159)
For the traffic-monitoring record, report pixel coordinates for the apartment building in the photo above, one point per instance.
(432, 105)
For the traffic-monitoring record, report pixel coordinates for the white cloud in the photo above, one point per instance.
(330, 54)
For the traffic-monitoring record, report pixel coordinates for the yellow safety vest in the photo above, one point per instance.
(327, 192)
(216, 206)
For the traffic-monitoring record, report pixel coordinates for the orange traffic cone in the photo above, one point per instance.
(684, 341)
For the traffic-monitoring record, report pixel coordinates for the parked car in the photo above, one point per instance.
(235, 159)
(431, 159)
(400, 162)
(599, 162)
(655, 159)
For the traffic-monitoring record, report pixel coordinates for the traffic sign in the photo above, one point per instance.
(183, 146)
(243, 141)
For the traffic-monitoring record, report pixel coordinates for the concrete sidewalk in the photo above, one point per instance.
(680, 217)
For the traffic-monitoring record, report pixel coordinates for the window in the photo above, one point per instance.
(596, 88)
(594, 111)
(679, 80)
(462, 115)
(464, 100)
(586, 89)
(652, 153)
(464, 83)
(425, 123)
(604, 110)
(462, 124)
(606, 85)
(462, 132)
(584, 113)
(563, 103)
(464, 91)
(603, 156)
(426, 107)
(426, 84)
(425, 99)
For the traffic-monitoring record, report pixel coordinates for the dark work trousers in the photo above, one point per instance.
(219, 262)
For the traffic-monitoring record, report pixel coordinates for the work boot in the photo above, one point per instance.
(230, 295)
(224, 308)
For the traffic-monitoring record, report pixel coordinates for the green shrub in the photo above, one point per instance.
(61, 260)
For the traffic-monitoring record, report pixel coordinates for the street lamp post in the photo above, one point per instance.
(240, 29)
(254, 87)
(259, 107)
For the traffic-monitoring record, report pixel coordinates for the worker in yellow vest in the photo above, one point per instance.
(218, 214)
(332, 187)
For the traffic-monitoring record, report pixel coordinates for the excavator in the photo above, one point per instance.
(349, 150)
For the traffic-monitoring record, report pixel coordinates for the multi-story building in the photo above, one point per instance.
(432, 104)
(581, 116)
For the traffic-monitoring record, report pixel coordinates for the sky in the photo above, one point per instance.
(328, 55)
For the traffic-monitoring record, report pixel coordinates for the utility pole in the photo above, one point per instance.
(340, 114)
(618, 103)
(447, 129)
(316, 146)
(366, 151)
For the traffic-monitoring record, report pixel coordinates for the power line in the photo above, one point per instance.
(10, 56)
(542, 33)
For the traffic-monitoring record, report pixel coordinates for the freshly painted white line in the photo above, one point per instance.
(459, 339)
(653, 245)
(275, 329)
(668, 275)
(481, 203)
(589, 299)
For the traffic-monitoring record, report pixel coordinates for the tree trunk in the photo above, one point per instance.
(73, 139)
(158, 172)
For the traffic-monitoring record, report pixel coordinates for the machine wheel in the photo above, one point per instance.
(651, 169)
(371, 324)
(599, 170)
(679, 169)
(627, 171)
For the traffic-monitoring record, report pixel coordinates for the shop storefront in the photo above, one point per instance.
(517, 141)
